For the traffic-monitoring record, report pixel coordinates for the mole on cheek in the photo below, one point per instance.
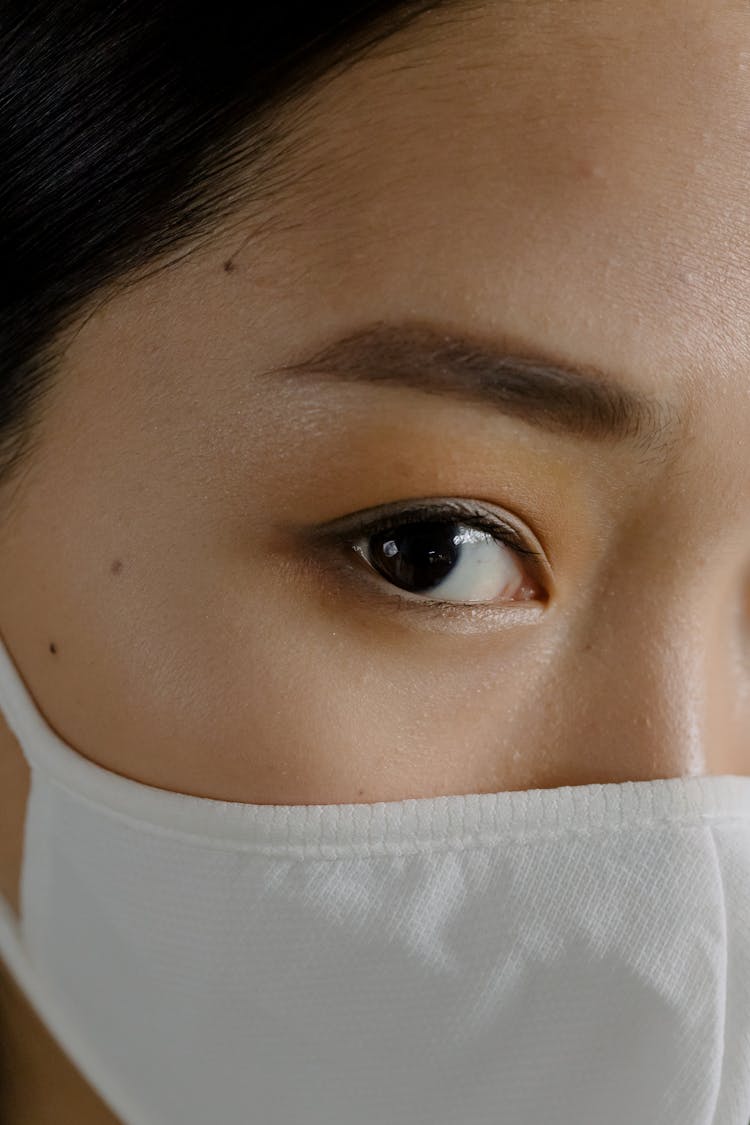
(588, 169)
(116, 566)
(53, 647)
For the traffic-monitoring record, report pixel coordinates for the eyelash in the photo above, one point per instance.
(452, 511)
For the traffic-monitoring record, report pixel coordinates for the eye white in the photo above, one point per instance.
(484, 570)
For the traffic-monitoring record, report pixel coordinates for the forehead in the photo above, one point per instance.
(570, 175)
(576, 172)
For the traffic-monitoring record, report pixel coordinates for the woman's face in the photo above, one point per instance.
(565, 183)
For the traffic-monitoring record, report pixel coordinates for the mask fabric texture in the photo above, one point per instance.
(576, 956)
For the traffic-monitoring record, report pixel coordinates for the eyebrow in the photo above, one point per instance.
(539, 389)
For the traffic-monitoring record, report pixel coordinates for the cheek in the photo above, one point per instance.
(208, 667)
(320, 709)
(190, 673)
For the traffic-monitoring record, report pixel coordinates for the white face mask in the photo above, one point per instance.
(577, 956)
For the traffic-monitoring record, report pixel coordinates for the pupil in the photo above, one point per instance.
(416, 556)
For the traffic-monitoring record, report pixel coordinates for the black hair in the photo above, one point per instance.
(123, 127)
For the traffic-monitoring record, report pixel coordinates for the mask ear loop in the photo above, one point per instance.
(21, 968)
(21, 712)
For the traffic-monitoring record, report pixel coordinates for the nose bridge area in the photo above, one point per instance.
(659, 656)
(639, 695)
(652, 659)
(652, 662)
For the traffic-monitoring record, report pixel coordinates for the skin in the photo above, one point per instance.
(575, 178)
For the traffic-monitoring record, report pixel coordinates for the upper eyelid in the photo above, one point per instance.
(462, 510)
(503, 532)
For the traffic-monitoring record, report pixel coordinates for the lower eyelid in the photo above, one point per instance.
(333, 567)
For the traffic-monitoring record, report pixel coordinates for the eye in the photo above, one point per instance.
(450, 553)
